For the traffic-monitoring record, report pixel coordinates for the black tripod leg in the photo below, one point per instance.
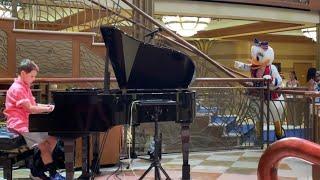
(146, 172)
(157, 173)
(160, 147)
(157, 152)
(164, 172)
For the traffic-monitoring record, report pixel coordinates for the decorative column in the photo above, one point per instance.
(318, 46)
(315, 167)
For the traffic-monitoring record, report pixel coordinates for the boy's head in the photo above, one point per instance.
(27, 70)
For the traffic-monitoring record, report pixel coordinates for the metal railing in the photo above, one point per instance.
(228, 117)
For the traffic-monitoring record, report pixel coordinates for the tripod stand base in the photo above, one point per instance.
(186, 172)
(157, 166)
(84, 177)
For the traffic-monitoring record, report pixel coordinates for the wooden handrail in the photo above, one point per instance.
(113, 79)
(298, 91)
(228, 79)
(287, 147)
(61, 80)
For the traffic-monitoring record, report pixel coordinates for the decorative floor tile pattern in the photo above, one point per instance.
(225, 165)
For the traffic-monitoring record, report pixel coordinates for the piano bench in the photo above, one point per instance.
(13, 150)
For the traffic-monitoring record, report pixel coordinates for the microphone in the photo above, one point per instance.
(152, 33)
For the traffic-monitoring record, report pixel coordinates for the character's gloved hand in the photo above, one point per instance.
(274, 82)
(241, 66)
(267, 77)
(237, 64)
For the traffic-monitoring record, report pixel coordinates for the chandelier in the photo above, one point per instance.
(186, 26)
(310, 33)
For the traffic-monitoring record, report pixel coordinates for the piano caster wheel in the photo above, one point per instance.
(95, 168)
(95, 171)
(133, 155)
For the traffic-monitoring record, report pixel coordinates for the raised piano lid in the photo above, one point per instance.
(138, 65)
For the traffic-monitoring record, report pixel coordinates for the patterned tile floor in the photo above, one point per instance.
(226, 165)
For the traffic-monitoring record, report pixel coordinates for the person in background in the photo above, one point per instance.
(311, 79)
(293, 80)
(294, 104)
(284, 80)
(318, 80)
(19, 104)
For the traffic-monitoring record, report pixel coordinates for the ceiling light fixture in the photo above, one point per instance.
(186, 26)
(310, 33)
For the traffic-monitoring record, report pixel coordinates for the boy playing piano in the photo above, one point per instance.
(19, 104)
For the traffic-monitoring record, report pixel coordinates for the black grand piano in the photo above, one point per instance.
(147, 75)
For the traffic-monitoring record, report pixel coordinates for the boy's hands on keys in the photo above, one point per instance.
(50, 107)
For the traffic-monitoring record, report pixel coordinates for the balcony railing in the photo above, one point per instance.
(228, 117)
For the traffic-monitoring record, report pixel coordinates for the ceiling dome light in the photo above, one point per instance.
(186, 26)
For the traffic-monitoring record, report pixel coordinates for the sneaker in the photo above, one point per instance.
(38, 175)
(57, 176)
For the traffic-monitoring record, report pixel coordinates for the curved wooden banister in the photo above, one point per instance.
(296, 91)
(287, 147)
(61, 80)
(228, 79)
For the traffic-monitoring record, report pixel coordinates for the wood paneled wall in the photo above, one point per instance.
(7, 26)
(22, 37)
(226, 52)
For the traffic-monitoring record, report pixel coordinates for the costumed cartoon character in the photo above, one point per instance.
(262, 56)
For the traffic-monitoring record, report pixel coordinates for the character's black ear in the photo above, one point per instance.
(256, 41)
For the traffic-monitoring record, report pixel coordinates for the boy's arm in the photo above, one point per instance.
(36, 109)
(44, 105)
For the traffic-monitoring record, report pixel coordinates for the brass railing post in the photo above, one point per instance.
(268, 111)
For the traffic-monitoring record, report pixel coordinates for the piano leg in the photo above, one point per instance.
(95, 163)
(185, 137)
(69, 157)
(85, 158)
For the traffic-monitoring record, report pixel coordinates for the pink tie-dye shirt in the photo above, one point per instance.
(17, 115)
